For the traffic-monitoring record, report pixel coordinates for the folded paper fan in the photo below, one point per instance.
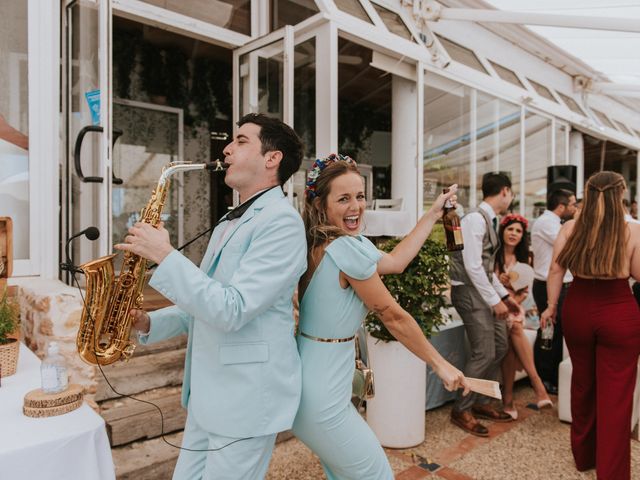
(521, 276)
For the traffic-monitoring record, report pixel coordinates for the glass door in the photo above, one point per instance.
(87, 177)
(263, 79)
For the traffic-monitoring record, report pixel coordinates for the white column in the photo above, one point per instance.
(637, 199)
(44, 140)
(404, 143)
(473, 148)
(576, 157)
(326, 90)
(626, 173)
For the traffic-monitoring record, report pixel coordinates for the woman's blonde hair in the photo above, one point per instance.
(597, 246)
(319, 231)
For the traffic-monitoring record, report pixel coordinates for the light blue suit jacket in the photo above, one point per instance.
(242, 369)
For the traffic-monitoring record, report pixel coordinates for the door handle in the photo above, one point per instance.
(115, 134)
(77, 150)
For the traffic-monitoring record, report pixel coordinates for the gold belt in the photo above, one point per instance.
(327, 340)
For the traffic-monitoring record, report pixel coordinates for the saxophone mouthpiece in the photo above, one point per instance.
(217, 166)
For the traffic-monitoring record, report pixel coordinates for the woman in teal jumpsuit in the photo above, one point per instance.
(341, 285)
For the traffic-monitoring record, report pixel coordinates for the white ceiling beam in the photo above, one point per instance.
(433, 11)
(617, 88)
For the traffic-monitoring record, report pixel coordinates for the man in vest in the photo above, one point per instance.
(482, 302)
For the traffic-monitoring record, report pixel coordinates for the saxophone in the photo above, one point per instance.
(105, 325)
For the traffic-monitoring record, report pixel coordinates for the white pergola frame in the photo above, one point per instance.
(326, 26)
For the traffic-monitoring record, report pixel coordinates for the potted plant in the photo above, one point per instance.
(396, 413)
(9, 347)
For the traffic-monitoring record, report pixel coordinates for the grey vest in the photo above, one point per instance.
(490, 245)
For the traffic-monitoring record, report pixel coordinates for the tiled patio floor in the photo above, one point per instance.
(536, 446)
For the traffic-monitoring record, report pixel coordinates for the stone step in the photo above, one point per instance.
(129, 420)
(154, 459)
(141, 373)
(147, 460)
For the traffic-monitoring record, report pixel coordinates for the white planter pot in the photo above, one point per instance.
(396, 413)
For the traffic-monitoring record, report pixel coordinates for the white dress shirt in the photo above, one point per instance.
(629, 219)
(544, 232)
(474, 228)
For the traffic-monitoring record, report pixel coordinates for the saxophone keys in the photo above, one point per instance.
(127, 351)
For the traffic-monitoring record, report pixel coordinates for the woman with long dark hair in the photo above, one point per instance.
(341, 285)
(601, 324)
(514, 248)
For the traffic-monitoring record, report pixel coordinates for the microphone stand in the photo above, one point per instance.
(92, 233)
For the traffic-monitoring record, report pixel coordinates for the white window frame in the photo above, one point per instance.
(43, 30)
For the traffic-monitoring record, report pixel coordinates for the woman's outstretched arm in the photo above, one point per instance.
(398, 259)
(405, 329)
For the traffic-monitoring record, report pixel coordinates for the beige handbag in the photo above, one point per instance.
(362, 386)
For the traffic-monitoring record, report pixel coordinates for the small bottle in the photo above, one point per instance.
(53, 371)
(546, 336)
(452, 227)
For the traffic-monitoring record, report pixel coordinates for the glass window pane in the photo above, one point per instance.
(603, 118)
(538, 133)
(447, 134)
(507, 75)
(364, 117)
(304, 111)
(148, 143)
(353, 7)
(14, 123)
(291, 12)
(268, 70)
(572, 104)
(462, 54)
(232, 14)
(542, 91)
(498, 140)
(393, 22)
(304, 94)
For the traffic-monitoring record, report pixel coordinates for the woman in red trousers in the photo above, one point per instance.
(601, 324)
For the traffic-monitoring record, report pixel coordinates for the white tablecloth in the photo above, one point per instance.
(388, 223)
(73, 446)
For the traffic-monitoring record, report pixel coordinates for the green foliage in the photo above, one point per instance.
(9, 316)
(419, 289)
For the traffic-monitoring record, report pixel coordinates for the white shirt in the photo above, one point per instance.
(544, 232)
(474, 228)
(629, 219)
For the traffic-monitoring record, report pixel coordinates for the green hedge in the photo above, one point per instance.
(419, 289)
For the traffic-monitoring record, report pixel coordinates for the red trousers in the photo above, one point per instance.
(601, 322)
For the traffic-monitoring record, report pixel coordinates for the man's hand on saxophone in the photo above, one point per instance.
(141, 321)
(147, 241)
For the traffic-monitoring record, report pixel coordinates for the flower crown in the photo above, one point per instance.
(514, 217)
(318, 166)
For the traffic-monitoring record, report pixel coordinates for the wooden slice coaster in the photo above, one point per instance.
(38, 399)
(52, 411)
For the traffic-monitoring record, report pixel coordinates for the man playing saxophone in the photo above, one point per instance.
(242, 370)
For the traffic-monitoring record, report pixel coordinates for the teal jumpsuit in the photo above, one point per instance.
(327, 422)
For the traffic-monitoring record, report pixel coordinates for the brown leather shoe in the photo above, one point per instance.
(466, 421)
(488, 412)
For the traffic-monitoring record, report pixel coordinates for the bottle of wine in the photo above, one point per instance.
(452, 227)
